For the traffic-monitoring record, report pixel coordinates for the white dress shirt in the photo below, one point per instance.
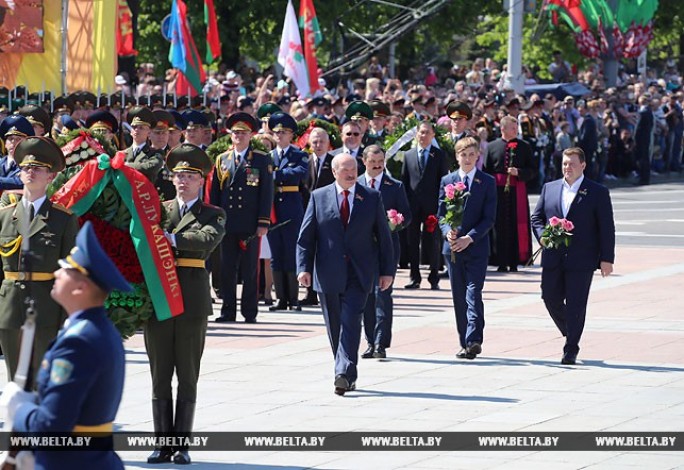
(569, 192)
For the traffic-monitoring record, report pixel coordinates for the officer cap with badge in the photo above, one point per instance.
(164, 120)
(90, 259)
(319, 101)
(267, 109)
(141, 116)
(379, 108)
(102, 120)
(68, 123)
(40, 152)
(195, 119)
(36, 115)
(459, 110)
(189, 157)
(242, 122)
(15, 125)
(358, 110)
(281, 121)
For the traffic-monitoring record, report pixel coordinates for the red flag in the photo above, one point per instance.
(213, 42)
(183, 53)
(124, 30)
(312, 37)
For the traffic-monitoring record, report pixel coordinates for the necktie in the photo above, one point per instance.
(344, 208)
(184, 210)
(237, 158)
(466, 182)
(373, 183)
(422, 160)
(32, 212)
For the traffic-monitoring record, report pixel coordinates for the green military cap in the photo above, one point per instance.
(188, 157)
(165, 119)
(267, 109)
(379, 108)
(358, 110)
(39, 151)
(458, 109)
(141, 116)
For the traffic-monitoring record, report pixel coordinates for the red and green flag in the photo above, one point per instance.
(213, 42)
(308, 21)
(183, 53)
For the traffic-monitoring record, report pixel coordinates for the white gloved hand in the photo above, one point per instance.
(12, 398)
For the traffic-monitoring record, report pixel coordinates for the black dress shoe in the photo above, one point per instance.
(569, 359)
(502, 269)
(250, 320)
(368, 353)
(513, 269)
(160, 455)
(412, 285)
(464, 354)
(224, 319)
(380, 353)
(281, 305)
(309, 301)
(296, 307)
(341, 385)
(268, 301)
(434, 286)
(474, 348)
(182, 457)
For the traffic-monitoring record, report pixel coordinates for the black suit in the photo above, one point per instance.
(320, 174)
(422, 190)
(359, 157)
(588, 141)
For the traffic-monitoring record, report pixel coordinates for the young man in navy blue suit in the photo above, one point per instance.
(567, 271)
(470, 243)
(345, 243)
(378, 313)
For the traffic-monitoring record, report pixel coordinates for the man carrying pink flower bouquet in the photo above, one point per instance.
(378, 312)
(467, 210)
(573, 221)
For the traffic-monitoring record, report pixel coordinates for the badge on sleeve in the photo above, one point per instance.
(61, 371)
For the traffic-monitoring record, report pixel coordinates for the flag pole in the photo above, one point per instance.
(63, 32)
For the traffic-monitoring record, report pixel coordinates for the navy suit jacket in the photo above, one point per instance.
(327, 250)
(422, 189)
(393, 197)
(479, 214)
(9, 179)
(591, 212)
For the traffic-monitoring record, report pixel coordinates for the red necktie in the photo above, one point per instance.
(372, 183)
(344, 208)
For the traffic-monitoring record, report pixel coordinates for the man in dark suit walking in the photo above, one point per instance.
(378, 313)
(344, 245)
(470, 243)
(567, 272)
(320, 174)
(643, 134)
(423, 168)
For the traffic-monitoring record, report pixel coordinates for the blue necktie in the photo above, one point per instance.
(465, 181)
(422, 159)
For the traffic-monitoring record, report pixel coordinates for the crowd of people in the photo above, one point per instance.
(301, 195)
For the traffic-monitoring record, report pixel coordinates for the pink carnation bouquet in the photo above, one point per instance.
(555, 235)
(455, 195)
(394, 219)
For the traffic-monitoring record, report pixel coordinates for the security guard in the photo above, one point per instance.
(242, 185)
(194, 229)
(12, 130)
(140, 155)
(291, 169)
(51, 230)
(81, 377)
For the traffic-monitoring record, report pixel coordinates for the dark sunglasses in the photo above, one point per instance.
(355, 134)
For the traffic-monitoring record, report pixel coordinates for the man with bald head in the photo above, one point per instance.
(344, 245)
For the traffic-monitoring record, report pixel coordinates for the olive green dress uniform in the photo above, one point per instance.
(52, 234)
(177, 344)
(146, 160)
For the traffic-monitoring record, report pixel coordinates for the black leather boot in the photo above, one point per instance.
(162, 416)
(185, 415)
(281, 293)
(292, 291)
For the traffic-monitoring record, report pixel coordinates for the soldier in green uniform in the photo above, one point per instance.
(175, 345)
(51, 231)
(140, 155)
(159, 142)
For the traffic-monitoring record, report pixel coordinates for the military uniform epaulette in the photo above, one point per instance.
(62, 208)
